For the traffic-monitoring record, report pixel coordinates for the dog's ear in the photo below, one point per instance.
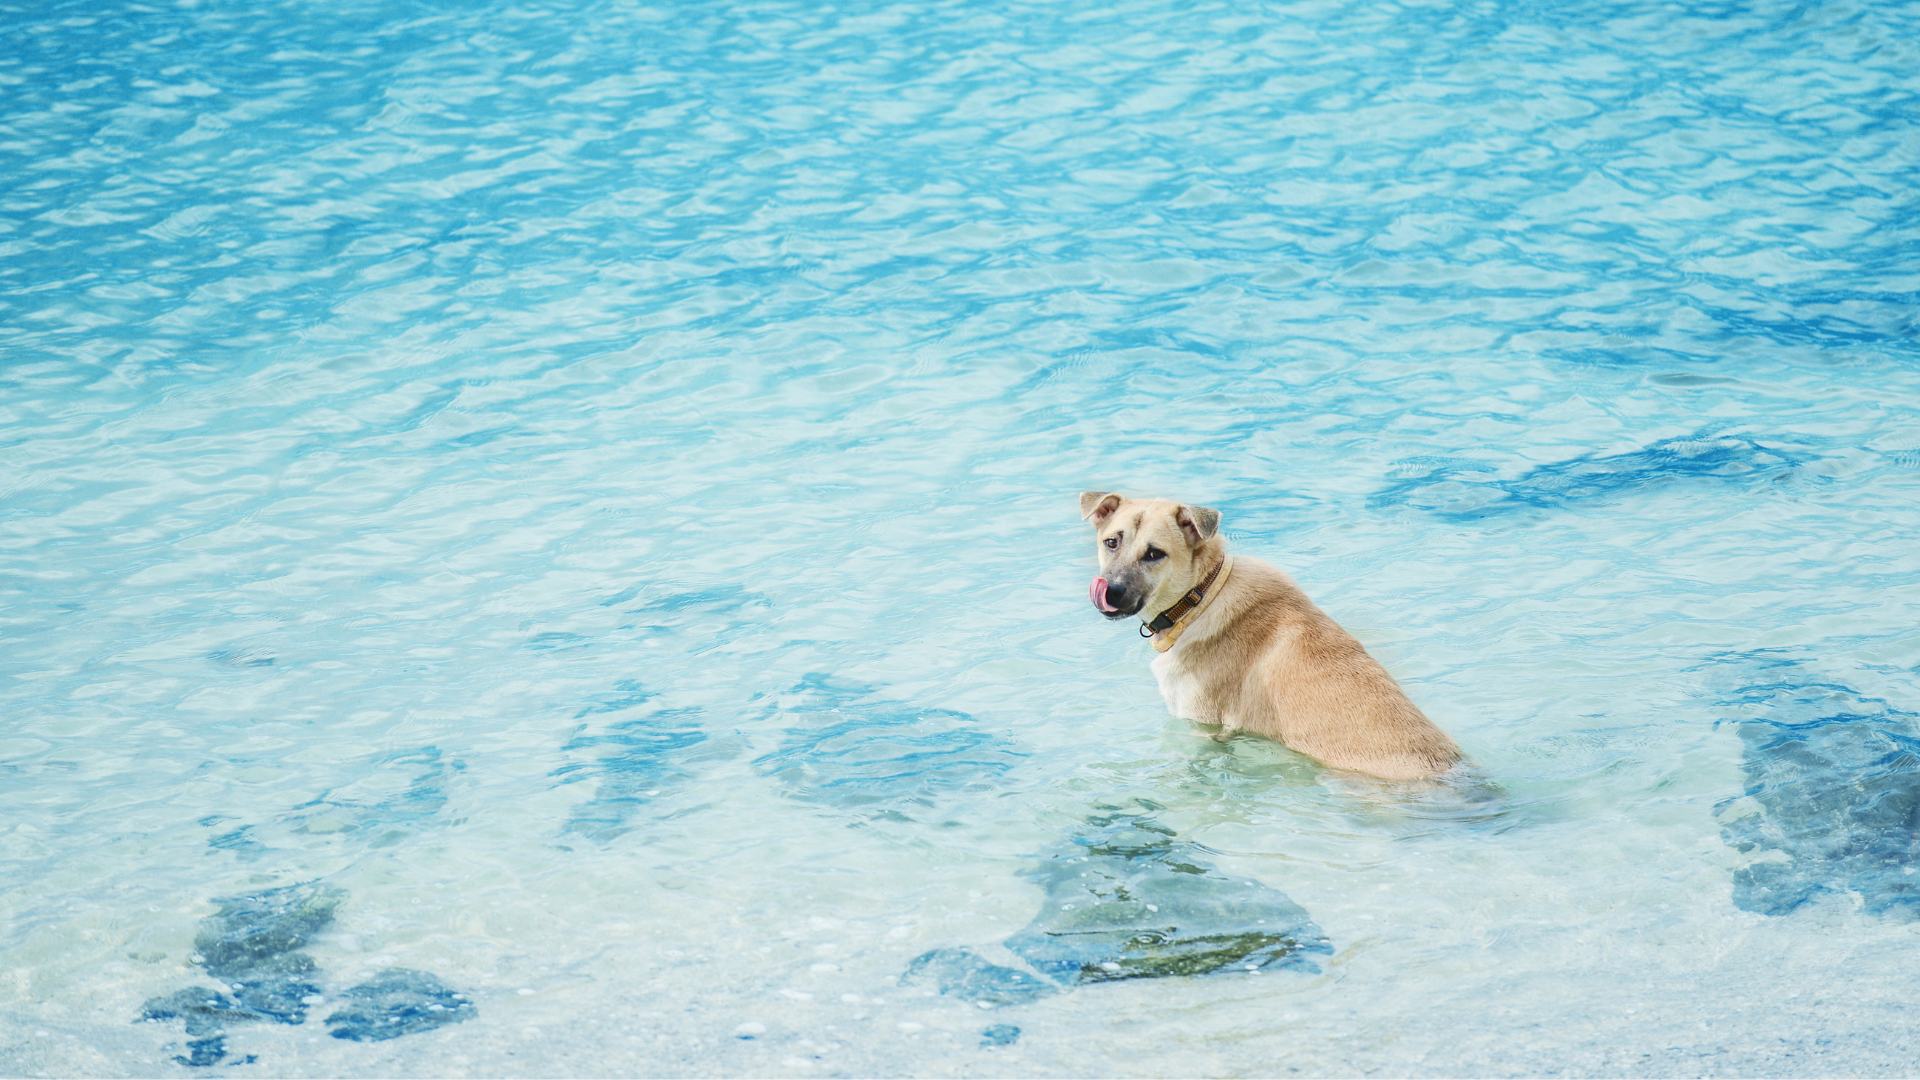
(1098, 506)
(1198, 522)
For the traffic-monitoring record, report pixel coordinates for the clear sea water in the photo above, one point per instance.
(594, 483)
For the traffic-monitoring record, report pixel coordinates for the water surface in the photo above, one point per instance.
(589, 489)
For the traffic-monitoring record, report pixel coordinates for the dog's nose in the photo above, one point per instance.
(1116, 594)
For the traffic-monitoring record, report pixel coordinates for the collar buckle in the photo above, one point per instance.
(1173, 617)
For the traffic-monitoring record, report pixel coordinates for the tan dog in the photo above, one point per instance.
(1241, 646)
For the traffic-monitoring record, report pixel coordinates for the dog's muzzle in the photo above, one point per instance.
(1111, 600)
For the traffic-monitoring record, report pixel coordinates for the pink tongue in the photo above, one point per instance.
(1098, 590)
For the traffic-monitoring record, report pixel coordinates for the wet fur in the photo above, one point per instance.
(1260, 657)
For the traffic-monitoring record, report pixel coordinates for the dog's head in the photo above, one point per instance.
(1151, 551)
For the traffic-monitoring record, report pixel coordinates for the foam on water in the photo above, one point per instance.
(592, 486)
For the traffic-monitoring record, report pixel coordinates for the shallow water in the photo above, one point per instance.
(593, 486)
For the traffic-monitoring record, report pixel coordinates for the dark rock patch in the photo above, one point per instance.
(1831, 803)
(278, 989)
(399, 791)
(1127, 899)
(999, 1035)
(960, 973)
(252, 929)
(202, 1009)
(253, 944)
(240, 840)
(632, 757)
(378, 802)
(849, 748)
(397, 1002)
(205, 1013)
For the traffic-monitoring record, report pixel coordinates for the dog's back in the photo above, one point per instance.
(1269, 662)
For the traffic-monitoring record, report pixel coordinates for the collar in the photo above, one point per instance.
(1166, 627)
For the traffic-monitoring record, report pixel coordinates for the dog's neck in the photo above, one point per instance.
(1166, 627)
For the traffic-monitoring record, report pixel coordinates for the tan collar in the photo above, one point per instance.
(1166, 628)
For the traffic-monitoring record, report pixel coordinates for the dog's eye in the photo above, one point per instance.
(1153, 554)
(1112, 542)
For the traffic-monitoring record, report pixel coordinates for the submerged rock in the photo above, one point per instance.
(253, 930)
(397, 1002)
(205, 1013)
(1832, 797)
(208, 1051)
(632, 757)
(203, 1010)
(278, 989)
(389, 795)
(1127, 899)
(1462, 491)
(962, 974)
(374, 802)
(999, 1035)
(847, 747)
(252, 943)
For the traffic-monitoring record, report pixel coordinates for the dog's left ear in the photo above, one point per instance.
(1198, 522)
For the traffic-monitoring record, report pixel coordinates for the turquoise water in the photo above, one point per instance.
(585, 494)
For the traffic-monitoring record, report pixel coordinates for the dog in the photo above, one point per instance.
(1242, 647)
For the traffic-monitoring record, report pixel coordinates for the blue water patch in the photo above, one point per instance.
(240, 658)
(1126, 898)
(1831, 803)
(703, 618)
(848, 747)
(632, 758)
(1466, 491)
(558, 641)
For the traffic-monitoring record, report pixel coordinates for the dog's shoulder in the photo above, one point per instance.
(1268, 622)
(1265, 600)
(1258, 604)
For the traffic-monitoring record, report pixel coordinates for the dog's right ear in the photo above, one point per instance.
(1197, 522)
(1098, 506)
